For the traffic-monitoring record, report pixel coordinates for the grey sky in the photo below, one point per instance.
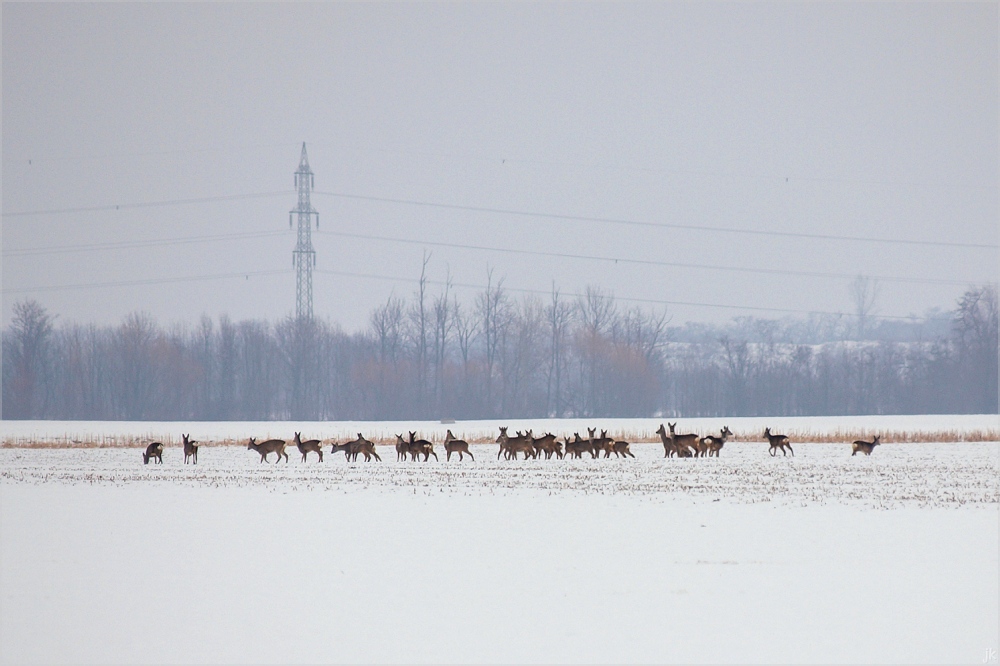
(872, 120)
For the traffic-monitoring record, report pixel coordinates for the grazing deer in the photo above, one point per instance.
(452, 445)
(190, 450)
(546, 444)
(711, 445)
(865, 447)
(345, 447)
(268, 447)
(422, 446)
(154, 450)
(777, 442)
(307, 446)
(685, 445)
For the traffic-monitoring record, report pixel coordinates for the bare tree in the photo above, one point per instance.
(135, 342)
(419, 320)
(28, 356)
(387, 326)
(466, 329)
(559, 315)
(977, 341)
(443, 324)
(491, 306)
(865, 292)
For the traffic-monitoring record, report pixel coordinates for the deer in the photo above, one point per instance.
(575, 448)
(579, 446)
(602, 443)
(352, 448)
(865, 447)
(267, 447)
(621, 449)
(511, 446)
(777, 442)
(363, 446)
(711, 445)
(154, 450)
(402, 448)
(459, 446)
(547, 444)
(668, 444)
(307, 446)
(190, 450)
(670, 447)
(523, 443)
(685, 445)
(588, 445)
(422, 446)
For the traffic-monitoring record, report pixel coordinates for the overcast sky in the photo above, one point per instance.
(840, 120)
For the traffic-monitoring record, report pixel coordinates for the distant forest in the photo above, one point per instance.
(433, 357)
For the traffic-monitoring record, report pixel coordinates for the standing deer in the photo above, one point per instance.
(575, 448)
(523, 444)
(154, 450)
(777, 442)
(621, 449)
(268, 447)
(452, 445)
(711, 445)
(307, 446)
(546, 444)
(865, 447)
(402, 448)
(360, 445)
(685, 445)
(668, 444)
(190, 450)
(602, 443)
(422, 446)
(511, 446)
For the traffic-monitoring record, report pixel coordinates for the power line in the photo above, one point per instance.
(148, 204)
(651, 301)
(132, 283)
(505, 211)
(662, 225)
(62, 249)
(643, 262)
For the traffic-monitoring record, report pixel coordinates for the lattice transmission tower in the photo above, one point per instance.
(304, 256)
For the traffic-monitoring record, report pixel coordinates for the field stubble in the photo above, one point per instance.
(917, 474)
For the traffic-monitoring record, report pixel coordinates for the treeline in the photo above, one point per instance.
(433, 357)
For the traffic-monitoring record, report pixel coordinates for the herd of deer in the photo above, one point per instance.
(687, 445)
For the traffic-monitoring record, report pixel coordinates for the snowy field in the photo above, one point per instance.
(823, 557)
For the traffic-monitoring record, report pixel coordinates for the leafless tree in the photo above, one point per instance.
(28, 356)
(865, 293)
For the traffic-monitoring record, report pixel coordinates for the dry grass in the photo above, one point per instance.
(839, 436)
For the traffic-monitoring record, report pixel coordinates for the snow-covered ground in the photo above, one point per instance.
(823, 557)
